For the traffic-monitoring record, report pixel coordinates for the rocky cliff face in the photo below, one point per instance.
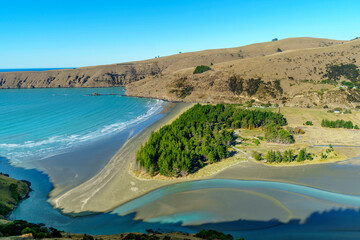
(101, 76)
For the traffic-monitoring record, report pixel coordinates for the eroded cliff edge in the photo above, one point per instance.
(289, 71)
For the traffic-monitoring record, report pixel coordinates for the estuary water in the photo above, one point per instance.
(49, 128)
(339, 221)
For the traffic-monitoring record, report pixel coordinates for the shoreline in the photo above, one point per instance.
(79, 163)
(136, 188)
(101, 193)
(118, 183)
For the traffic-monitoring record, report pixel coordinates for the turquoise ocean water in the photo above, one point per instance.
(39, 123)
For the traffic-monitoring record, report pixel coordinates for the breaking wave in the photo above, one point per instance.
(53, 145)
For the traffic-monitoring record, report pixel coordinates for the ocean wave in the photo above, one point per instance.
(54, 145)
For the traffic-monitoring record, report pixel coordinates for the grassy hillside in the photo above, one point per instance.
(125, 73)
(295, 77)
(11, 192)
(293, 71)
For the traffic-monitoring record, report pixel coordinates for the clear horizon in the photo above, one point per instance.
(45, 34)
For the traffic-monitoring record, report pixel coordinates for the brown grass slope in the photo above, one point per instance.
(291, 77)
(125, 73)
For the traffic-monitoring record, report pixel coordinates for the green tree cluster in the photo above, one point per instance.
(253, 85)
(213, 234)
(349, 71)
(200, 135)
(13, 188)
(308, 123)
(350, 85)
(338, 124)
(274, 133)
(257, 156)
(135, 236)
(287, 156)
(201, 69)
(236, 84)
(19, 227)
(4, 210)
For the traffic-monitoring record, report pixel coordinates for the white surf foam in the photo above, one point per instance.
(54, 145)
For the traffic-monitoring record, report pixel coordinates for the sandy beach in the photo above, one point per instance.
(115, 184)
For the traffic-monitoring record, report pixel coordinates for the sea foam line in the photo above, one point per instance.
(63, 142)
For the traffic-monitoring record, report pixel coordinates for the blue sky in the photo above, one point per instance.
(63, 33)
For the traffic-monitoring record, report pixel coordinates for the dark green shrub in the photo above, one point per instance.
(308, 123)
(87, 237)
(278, 135)
(278, 86)
(236, 84)
(350, 85)
(201, 69)
(213, 234)
(14, 191)
(182, 88)
(337, 124)
(335, 72)
(288, 156)
(257, 156)
(4, 210)
(253, 85)
(19, 227)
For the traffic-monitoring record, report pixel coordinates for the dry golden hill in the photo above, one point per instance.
(124, 73)
(296, 77)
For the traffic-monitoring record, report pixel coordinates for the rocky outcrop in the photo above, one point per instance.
(100, 76)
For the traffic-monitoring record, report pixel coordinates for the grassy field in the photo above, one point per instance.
(11, 192)
(316, 139)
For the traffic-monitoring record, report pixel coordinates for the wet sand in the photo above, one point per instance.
(115, 184)
(217, 205)
(80, 163)
(70, 169)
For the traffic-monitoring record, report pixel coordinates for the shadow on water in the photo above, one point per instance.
(333, 224)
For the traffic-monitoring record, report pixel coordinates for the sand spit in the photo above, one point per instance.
(115, 185)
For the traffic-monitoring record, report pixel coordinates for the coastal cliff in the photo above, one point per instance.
(123, 74)
(291, 71)
(101, 76)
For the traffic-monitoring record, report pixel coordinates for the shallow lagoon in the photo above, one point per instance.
(315, 201)
(325, 211)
